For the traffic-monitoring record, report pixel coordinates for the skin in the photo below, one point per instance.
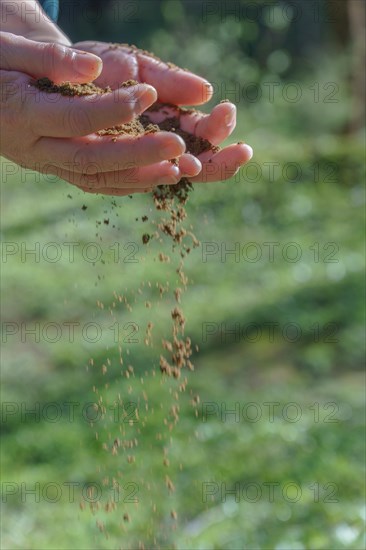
(56, 134)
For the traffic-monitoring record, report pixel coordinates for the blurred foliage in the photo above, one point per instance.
(303, 186)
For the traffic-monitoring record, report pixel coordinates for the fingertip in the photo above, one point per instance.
(196, 166)
(87, 65)
(173, 147)
(248, 151)
(189, 165)
(227, 111)
(171, 175)
(150, 92)
(200, 91)
(97, 65)
(193, 90)
(146, 95)
(207, 91)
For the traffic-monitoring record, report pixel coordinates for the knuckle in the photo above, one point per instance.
(129, 108)
(77, 120)
(11, 103)
(83, 159)
(53, 55)
(9, 89)
(6, 50)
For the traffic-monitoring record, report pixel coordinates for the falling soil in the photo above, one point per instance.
(169, 199)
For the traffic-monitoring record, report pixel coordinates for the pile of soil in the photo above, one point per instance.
(68, 89)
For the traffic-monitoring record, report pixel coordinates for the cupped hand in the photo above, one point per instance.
(57, 135)
(217, 165)
(177, 87)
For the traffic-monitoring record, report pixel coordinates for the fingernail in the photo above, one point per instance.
(230, 117)
(172, 149)
(207, 91)
(172, 178)
(87, 64)
(145, 98)
(250, 151)
(196, 162)
(195, 167)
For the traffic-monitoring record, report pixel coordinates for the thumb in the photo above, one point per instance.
(39, 59)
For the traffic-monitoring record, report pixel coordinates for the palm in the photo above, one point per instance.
(178, 87)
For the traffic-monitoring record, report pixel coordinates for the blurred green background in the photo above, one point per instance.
(295, 71)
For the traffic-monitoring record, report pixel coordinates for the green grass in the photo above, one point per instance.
(321, 293)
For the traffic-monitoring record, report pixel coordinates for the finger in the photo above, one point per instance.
(215, 127)
(54, 115)
(118, 64)
(103, 154)
(164, 173)
(174, 85)
(160, 174)
(189, 165)
(224, 164)
(39, 59)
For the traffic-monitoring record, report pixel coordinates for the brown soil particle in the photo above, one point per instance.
(131, 48)
(165, 193)
(129, 83)
(165, 108)
(169, 483)
(178, 316)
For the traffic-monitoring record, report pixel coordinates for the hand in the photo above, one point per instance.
(56, 134)
(178, 87)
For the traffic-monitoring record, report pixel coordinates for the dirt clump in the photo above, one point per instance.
(129, 83)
